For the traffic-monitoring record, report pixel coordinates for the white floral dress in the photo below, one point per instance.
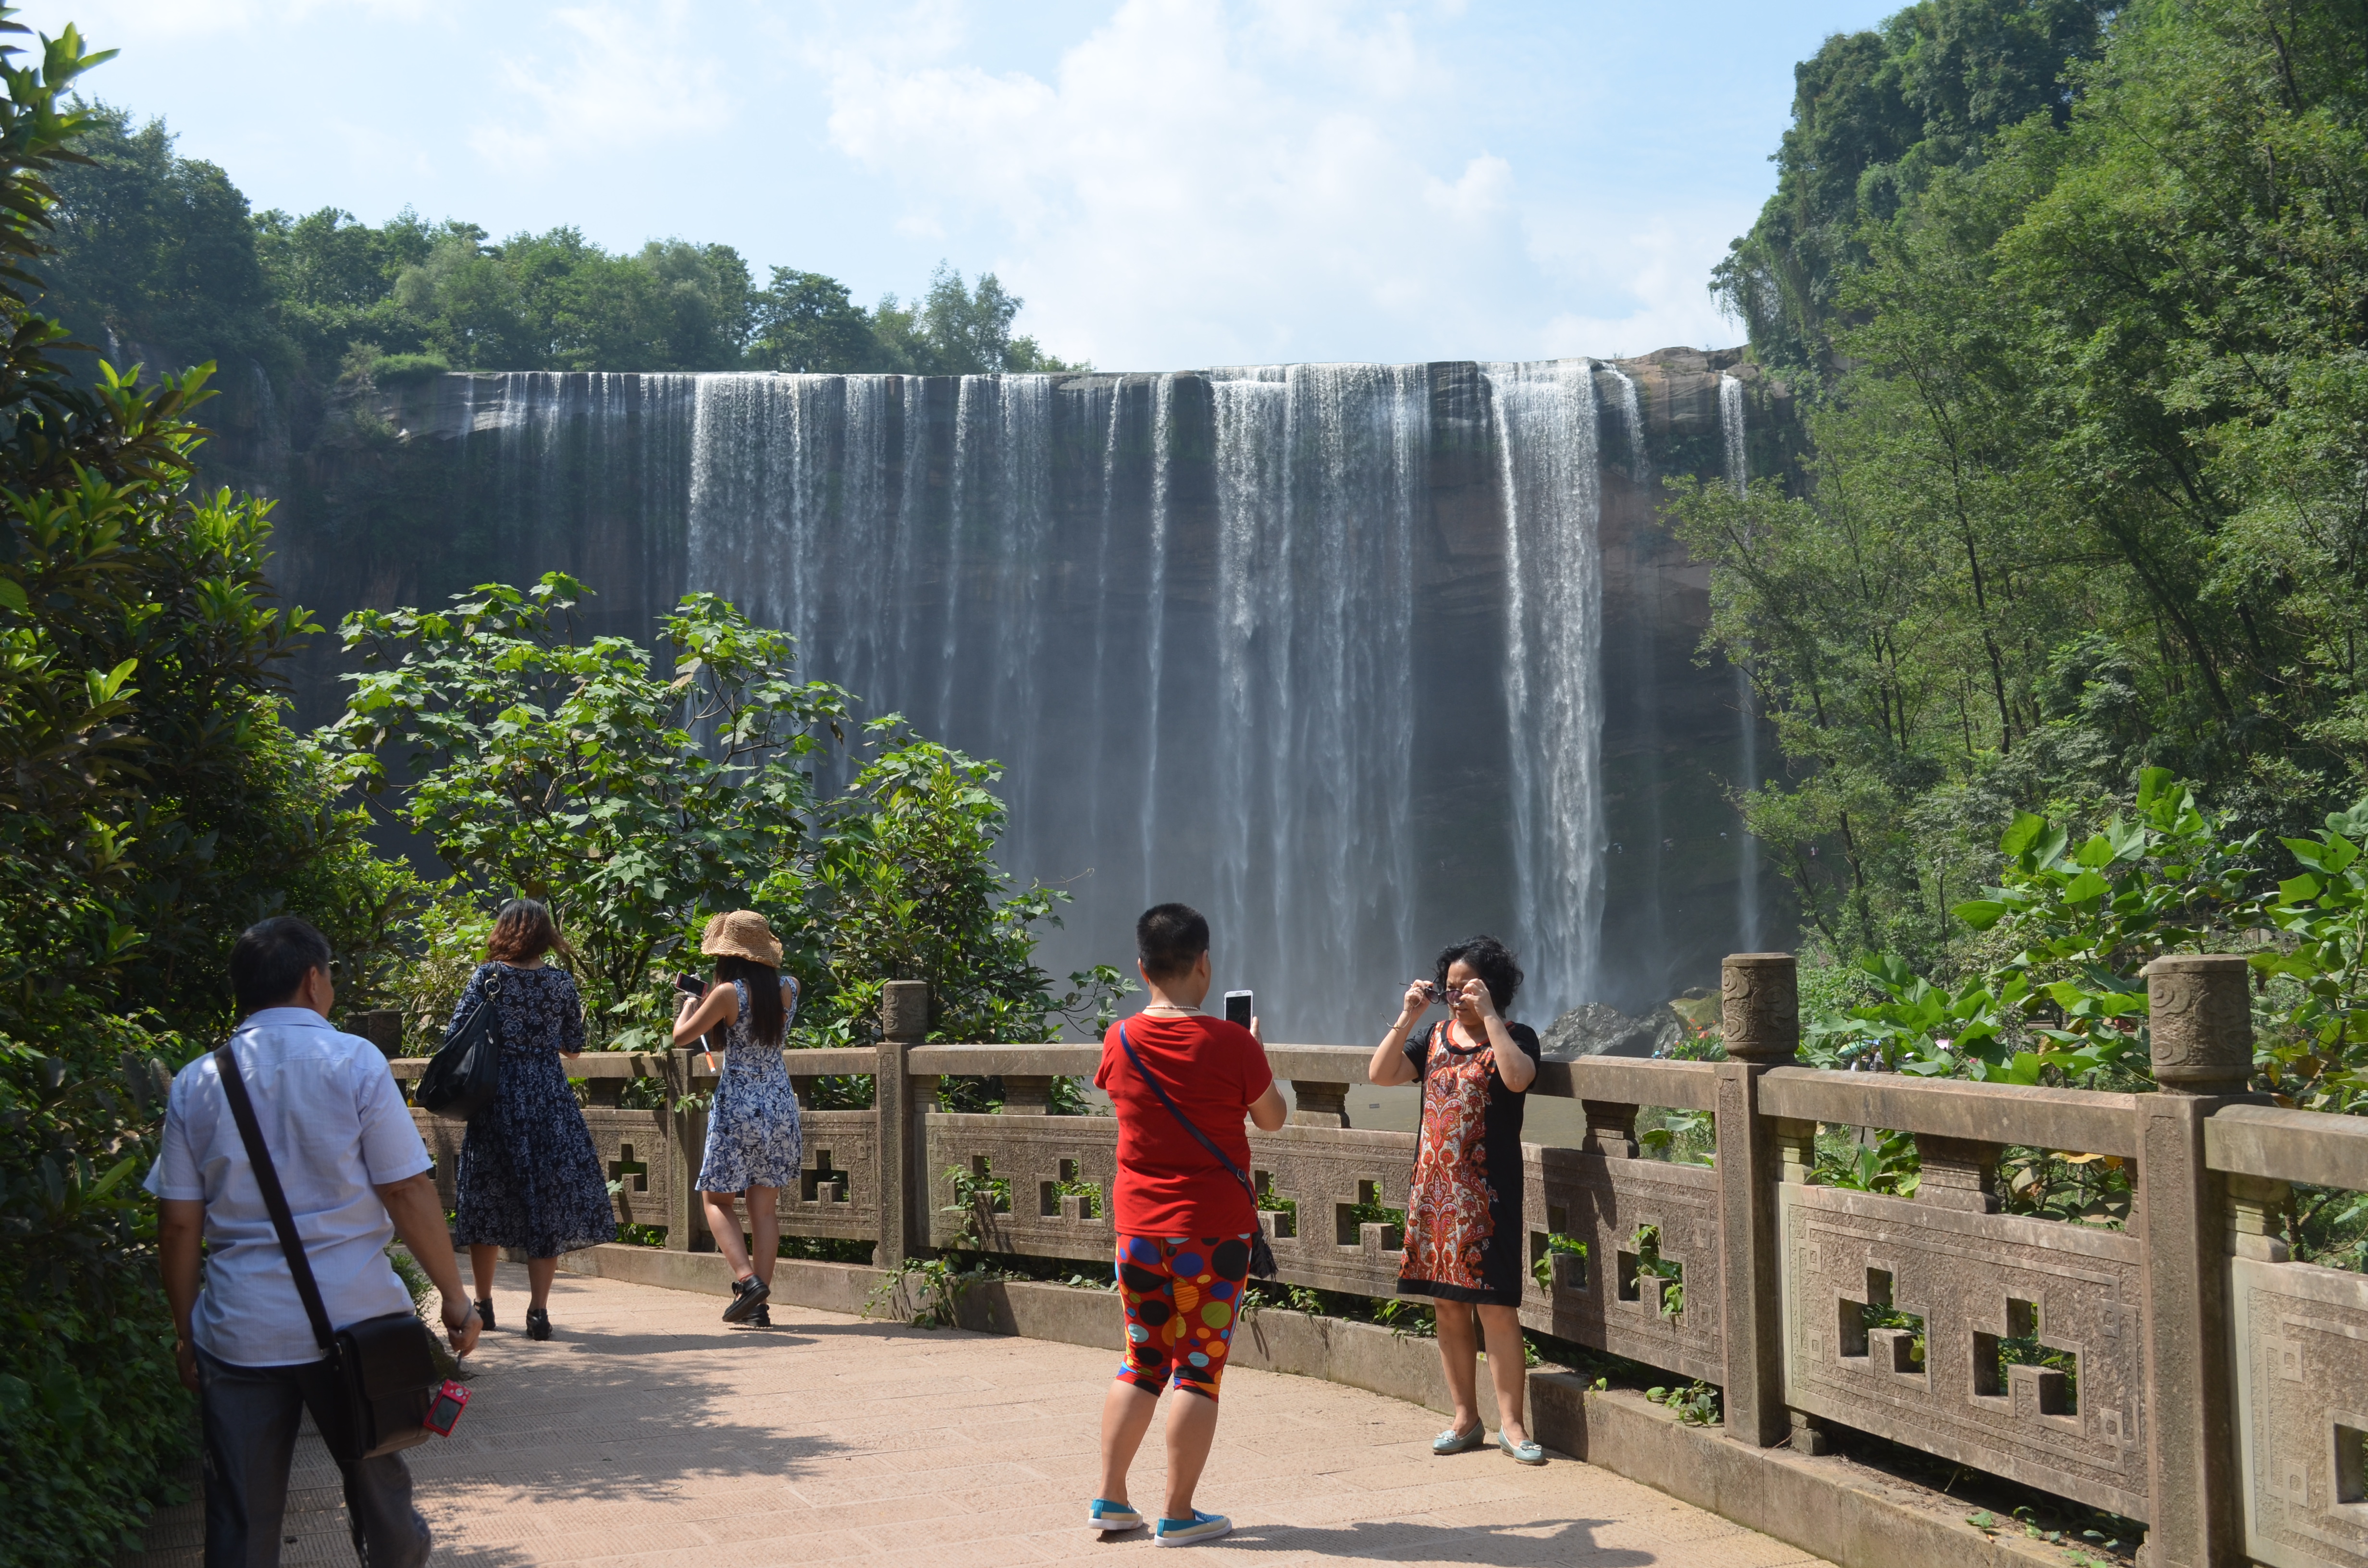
(753, 1135)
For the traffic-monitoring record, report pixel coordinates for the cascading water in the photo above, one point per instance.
(1314, 648)
(1543, 419)
(1738, 474)
(1320, 475)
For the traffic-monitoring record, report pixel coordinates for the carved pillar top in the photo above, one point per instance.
(1761, 1008)
(905, 1010)
(2201, 1023)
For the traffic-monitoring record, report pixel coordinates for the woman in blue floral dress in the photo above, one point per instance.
(753, 1136)
(530, 1176)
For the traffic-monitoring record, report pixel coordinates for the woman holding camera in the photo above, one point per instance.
(530, 1176)
(753, 1135)
(1463, 1218)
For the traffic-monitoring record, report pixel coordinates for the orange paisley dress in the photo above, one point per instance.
(1464, 1216)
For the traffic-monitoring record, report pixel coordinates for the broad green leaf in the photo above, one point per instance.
(1981, 914)
(2298, 889)
(2084, 887)
(2023, 834)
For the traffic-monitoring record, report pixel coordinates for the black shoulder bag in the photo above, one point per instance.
(464, 1076)
(384, 1368)
(1262, 1262)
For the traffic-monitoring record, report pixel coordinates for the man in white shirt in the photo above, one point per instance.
(356, 1176)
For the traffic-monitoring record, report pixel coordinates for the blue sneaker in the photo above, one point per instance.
(1113, 1517)
(1185, 1532)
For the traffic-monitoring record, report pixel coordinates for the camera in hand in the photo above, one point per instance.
(690, 985)
(1238, 1008)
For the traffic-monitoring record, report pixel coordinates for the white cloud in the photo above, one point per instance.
(1195, 183)
(628, 76)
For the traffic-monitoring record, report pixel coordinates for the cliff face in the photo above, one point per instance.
(1032, 571)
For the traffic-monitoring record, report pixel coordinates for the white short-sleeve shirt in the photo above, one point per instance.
(336, 1126)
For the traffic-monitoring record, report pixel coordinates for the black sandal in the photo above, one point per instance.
(538, 1323)
(485, 1315)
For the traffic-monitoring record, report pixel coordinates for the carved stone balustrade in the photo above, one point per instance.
(2181, 1369)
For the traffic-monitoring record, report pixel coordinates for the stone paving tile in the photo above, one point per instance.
(646, 1434)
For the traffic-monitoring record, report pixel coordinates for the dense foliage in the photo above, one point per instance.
(639, 804)
(572, 771)
(159, 254)
(152, 802)
(2079, 302)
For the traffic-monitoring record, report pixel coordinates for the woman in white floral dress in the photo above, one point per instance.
(753, 1136)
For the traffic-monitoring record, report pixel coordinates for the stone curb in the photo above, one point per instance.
(1822, 1505)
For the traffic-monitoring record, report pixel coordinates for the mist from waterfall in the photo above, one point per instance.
(1738, 474)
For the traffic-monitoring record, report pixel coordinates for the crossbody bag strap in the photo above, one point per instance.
(258, 1156)
(1205, 1141)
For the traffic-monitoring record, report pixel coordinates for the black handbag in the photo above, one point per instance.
(1262, 1262)
(384, 1368)
(464, 1076)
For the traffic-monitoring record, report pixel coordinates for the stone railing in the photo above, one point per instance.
(2206, 1385)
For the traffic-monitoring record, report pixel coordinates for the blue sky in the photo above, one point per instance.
(1167, 183)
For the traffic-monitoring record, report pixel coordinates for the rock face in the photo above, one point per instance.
(1594, 1029)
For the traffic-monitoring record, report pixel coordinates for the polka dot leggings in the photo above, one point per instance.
(1181, 1296)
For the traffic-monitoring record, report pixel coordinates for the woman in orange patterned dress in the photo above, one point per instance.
(1463, 1218)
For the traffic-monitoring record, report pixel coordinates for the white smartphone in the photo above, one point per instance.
(1238, 1008)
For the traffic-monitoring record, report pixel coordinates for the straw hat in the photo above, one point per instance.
(742, 934)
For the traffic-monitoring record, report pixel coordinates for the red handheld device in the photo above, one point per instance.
(446, 1407)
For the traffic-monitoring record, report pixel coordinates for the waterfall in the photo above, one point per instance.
(1543, 420)
(1236, 637)
(1320, 473)
(1738, 474)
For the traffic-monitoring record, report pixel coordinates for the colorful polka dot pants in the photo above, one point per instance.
(1181, 1297)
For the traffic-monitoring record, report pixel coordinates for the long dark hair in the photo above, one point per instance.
(767, 1020)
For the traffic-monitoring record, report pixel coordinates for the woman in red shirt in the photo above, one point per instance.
(1184, 1220)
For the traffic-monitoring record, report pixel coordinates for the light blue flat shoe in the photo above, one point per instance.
(1522, 1452)
(1113, 1517)
(1185, 1532)
(1454, 1442)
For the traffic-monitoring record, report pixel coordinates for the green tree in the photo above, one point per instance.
(902, 884)
(628, 800)
(155, 253)
(2085, 491)
(808, 322)
(151, 802)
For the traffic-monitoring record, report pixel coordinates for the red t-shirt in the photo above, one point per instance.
(1167, 1185)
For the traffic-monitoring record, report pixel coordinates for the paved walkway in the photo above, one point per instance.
(649, 1435)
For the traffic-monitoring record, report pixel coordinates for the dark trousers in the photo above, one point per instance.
(251, 1415)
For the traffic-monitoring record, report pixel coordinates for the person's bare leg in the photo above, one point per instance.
(481, 1259)
(1509, 1369)
(763, 1231)
(539, 1271)
(1459, 1355)
(1126, 1417)
(1191, 1429)
(723, 1224)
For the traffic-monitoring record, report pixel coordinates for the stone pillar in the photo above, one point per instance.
(1317, 1103)
(904, 1186)
(1027, 1095)
(682, 1154)
(1611, 1128)
(2201, 1030)
(383, 1026)
(1761, 1023)
(2201, 1022)
(1958, 1173)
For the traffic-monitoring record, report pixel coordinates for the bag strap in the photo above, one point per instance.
(1205, 1141)
(258, 1156)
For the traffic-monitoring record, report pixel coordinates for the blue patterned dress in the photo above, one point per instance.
(530, 1176)
(753, 1134)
